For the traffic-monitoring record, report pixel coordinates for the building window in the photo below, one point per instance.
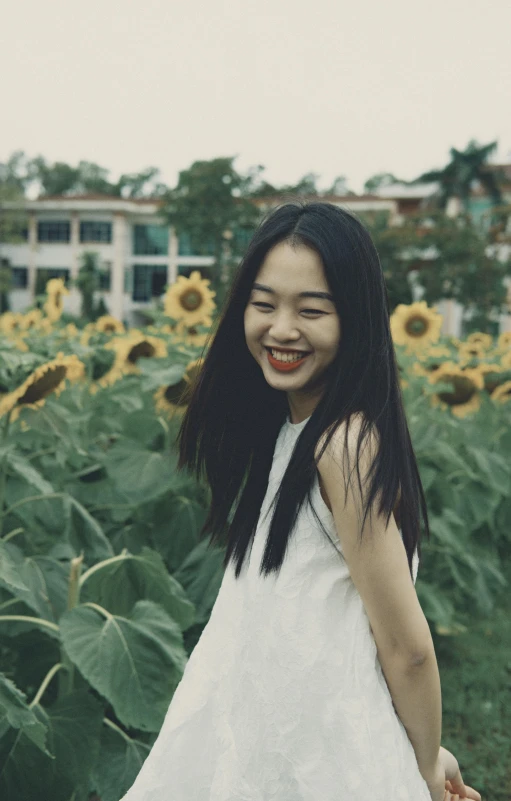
(43, 275)
(104, 273)
(19, 277)
(149, 281)
(91, 231)
(150, 240)
(56, 231)
(187, 248)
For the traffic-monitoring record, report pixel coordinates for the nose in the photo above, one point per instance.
(283, 328)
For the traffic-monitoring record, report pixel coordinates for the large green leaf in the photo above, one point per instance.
(201, 575)
(119, 761)
(140, 472)
(135, 661)
(29, 473)
(15, 713)
(119, 585)
(73, 724)
(39, 581)
(84, 532)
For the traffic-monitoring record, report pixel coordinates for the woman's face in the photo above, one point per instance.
(281, 319)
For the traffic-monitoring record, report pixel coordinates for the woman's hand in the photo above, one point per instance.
(445, 782)
(455, 787)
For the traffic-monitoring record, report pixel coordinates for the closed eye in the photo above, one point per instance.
(268, 306)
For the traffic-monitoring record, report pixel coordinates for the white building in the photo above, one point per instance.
(139, 254)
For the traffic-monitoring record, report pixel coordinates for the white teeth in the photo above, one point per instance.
(286, 356)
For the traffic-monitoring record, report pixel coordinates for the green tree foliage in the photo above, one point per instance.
(5, 284)
(459, 176)
(87, 282)
(380, 180)
(211, 203)
(453, 258)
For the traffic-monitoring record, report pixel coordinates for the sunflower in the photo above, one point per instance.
(31, 319)
(415, 326)
(190, 335)
(486, 340)
(506, 360)
(46, 379)
(464, 398)
(490, 373)
(128, 350)
(502, 394)
(172, 399)
(109, 325)
(504, 342)
(11, 322)
(471, 350)
(190, 300)
(54, 306)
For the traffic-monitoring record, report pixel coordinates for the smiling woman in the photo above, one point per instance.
(293, 342)
(315, 677)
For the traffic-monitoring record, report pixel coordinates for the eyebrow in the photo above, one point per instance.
(320, 295)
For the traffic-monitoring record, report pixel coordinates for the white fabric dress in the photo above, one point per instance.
(283, 697)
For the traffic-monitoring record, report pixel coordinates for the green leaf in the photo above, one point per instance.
(136, 661)
(118, 765)
(39, 581)
(74, 724)
(84, 531)
(28, 472)
(16, 713)
(436, 606)
(119, 585)
(141, 473)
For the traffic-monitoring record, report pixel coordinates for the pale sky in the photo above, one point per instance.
(335, 87)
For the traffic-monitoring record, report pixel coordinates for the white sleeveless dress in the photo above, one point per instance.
(283, 697)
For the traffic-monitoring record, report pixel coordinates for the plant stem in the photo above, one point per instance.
(73, 596)
(3, 468)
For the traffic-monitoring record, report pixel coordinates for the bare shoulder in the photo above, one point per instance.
(375, 554)
(336, 448)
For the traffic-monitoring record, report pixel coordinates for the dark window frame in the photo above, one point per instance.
(99, 231)
(56, 231)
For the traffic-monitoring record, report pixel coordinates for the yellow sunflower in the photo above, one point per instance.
(190, 300)
(190, 335)
(11, 322)
(128, 350)
(506, 360)
(54, 306)
(464, 399)
(486, 340)
(46, 379)
(504, 342)
(491, 375)
(31, 319)
(173, 399)
(109, 325)
(502, 394)
(416, 326)
(471, 350)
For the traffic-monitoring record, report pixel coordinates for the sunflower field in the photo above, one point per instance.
(105, 587)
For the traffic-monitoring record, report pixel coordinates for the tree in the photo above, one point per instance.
(339, 187)
(380, 180)
(459, 176)
(210, 202)
(87, 282)
(5, 284)
(55, 179)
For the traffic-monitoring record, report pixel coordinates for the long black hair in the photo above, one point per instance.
(230, 427)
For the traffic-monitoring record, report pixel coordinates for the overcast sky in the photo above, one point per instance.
(325, 86)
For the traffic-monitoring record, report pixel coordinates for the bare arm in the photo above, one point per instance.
(379, 569)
